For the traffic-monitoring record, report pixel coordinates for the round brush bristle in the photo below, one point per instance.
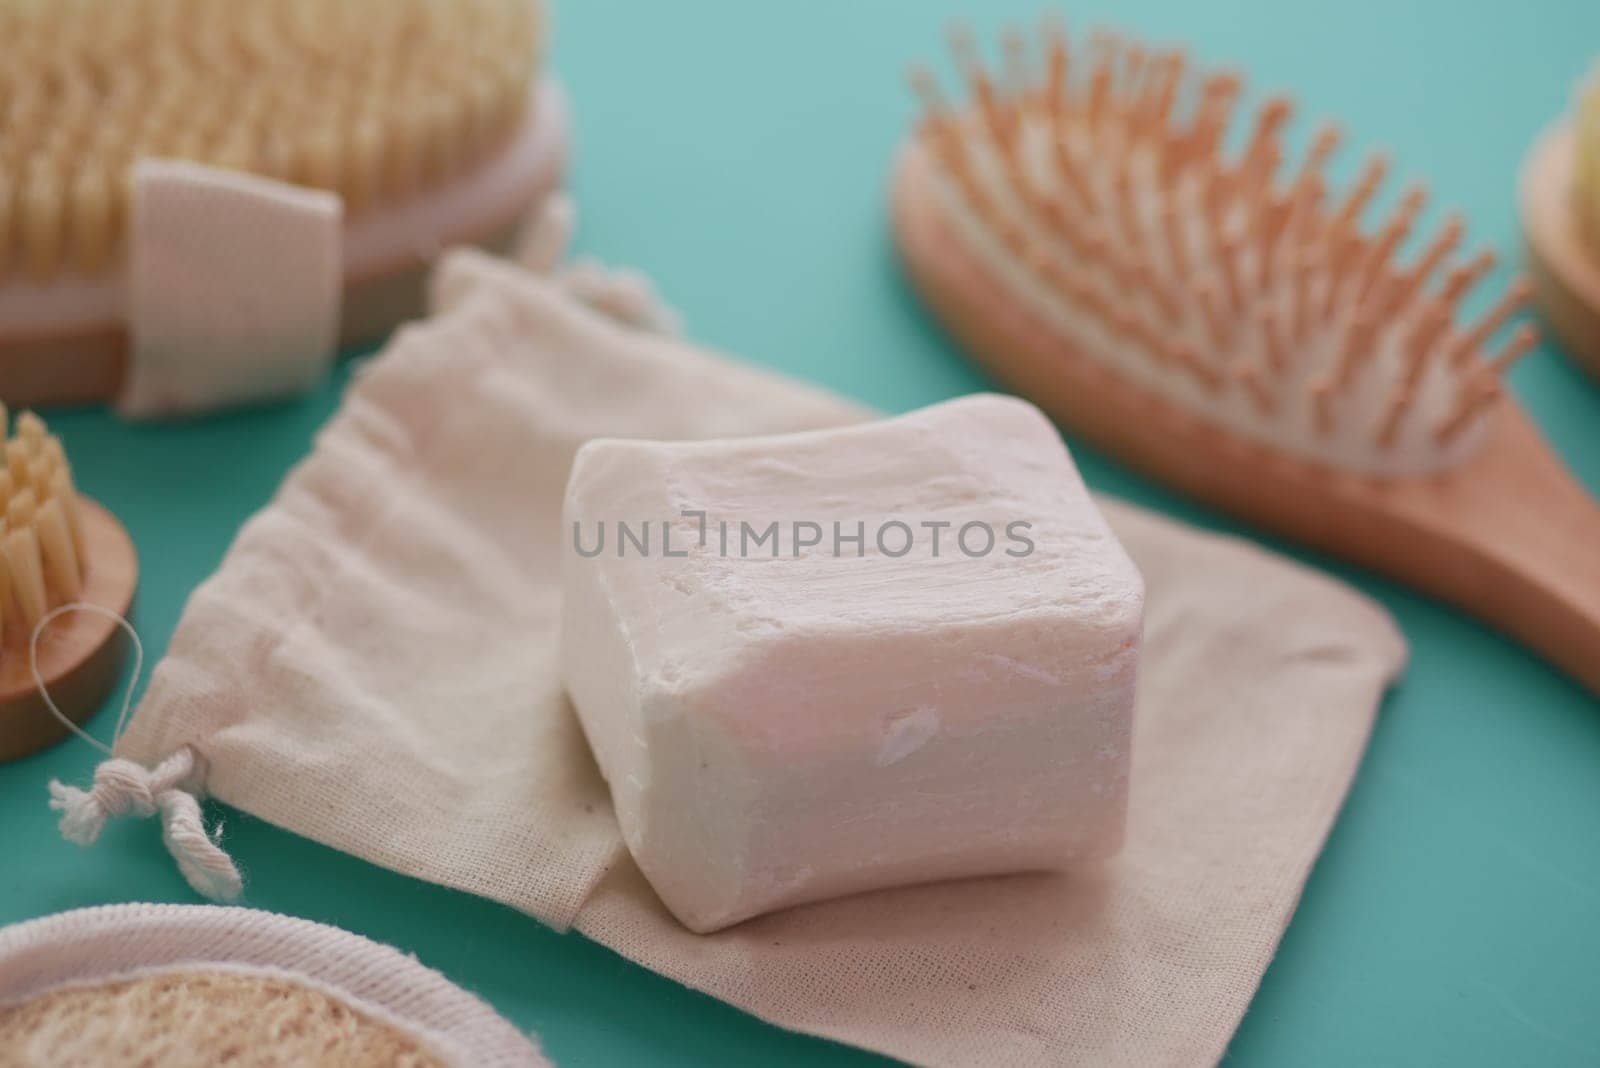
(1097, 184)
(41, 528)
(373, 99)
(1586, 170)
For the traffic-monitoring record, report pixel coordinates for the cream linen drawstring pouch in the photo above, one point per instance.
(374, 666)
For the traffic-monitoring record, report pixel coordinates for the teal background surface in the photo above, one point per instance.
(738, 152)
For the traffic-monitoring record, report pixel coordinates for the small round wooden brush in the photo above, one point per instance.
(57, 547)
(424, 116)
(1560, 201)
(1233, 326)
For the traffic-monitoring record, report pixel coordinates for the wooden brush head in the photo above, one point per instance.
(1096, 185)
(1239, 334)
(373, 99)
(1585, 173)
(427, 117)
(56, 548)
(1560, 202)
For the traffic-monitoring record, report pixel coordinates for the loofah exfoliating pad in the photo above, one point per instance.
(201, 1018)
(182, 985)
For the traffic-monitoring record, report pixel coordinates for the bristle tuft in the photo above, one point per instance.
(1586, 162)
(372, 99)
(41, 535)
(1234, 281)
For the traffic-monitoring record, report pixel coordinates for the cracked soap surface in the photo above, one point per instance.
(781, 729)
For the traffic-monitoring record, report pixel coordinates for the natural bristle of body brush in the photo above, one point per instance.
(57, 548)
(1586, 161)
(1559, 198)
(41, 527)
(1097, 187)
(373, 99)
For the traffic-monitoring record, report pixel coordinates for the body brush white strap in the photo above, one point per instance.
(235, 285)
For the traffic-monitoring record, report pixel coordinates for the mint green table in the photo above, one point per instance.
(738, 152)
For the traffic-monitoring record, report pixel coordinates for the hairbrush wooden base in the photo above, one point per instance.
(1564, 268)
(87, 363)
(89, 367)
(1509, 536)
(80, 653)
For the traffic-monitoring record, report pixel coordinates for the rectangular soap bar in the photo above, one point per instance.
(816, 664)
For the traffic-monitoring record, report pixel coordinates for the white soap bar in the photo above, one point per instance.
(924, 670)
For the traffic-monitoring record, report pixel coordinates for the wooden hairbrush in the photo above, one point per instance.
(426, 117)
(1238, 333)
(1560, 203)
(57, 547)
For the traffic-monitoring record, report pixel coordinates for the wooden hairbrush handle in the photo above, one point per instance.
(1511, 538)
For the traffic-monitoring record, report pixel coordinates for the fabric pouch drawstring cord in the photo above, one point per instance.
(172, 788)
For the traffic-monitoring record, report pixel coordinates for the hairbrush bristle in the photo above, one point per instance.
(1097, 185)
(41, 529)
(374, 99)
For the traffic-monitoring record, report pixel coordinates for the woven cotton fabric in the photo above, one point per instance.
(374, 666)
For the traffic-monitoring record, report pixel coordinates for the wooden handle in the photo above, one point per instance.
(1556, 614)
(1515, 540)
